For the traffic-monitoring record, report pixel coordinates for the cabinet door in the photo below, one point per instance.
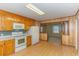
(65, 39)
(9, 47)
(0, 23)
(7, 24)
(27, 27)
(28, 40)
(43, 36)
(71, 41)
(1, 48)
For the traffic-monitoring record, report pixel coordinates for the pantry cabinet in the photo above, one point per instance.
(7, 47)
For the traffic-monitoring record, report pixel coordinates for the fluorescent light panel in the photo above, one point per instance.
(35, 9)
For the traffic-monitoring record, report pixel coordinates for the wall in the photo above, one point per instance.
(49, 29)
(55, 20)
(77, 37)
(72, 30)
(72, 27)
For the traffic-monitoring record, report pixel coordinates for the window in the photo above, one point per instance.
(55, 29)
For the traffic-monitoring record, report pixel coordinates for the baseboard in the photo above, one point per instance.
(36, 43)
(67, 45)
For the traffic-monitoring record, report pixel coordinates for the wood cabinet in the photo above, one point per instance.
(7, 47)
(66, 40)
(27, 28)
(28, 40)
(7, 24)
(1, 48)
(43, 36)
(7, 19)
(0, 25)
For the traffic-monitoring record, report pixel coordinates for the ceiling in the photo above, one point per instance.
(52, 10)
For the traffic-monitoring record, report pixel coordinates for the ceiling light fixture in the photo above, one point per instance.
(35, 9)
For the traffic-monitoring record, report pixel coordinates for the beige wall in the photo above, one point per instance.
(77, 37)
(72, 27)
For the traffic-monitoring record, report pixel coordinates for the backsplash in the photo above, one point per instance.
(20, 30)
(6, 33)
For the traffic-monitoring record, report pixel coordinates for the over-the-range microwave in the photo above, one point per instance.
(18, 26)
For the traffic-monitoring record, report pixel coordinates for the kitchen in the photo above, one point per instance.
(26, 30)
(15, 34)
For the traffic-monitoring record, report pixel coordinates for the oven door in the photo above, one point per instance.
(20, 41)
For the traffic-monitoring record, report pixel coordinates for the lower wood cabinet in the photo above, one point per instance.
(7, 48)
(1, 48)
(67, 40)
(29, 41)
(1, 51)
(43, 36)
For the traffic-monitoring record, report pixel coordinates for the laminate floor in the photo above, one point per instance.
(44, 48)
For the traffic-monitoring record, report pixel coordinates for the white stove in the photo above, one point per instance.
(20, 40)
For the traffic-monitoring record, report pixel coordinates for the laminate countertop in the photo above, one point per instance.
(8, 37)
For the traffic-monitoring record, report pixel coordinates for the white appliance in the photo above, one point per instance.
(34, 31)
(20, 37)
(20, 41)
(18, 26)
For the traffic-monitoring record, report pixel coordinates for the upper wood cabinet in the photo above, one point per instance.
(7, 19)
(1, 22)
(0, 25)
(7, 24)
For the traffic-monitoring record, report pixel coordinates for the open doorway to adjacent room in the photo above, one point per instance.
(55, 30)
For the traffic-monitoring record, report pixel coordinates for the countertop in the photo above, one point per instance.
(10, 37)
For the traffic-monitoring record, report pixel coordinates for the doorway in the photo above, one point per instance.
(55, 31)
